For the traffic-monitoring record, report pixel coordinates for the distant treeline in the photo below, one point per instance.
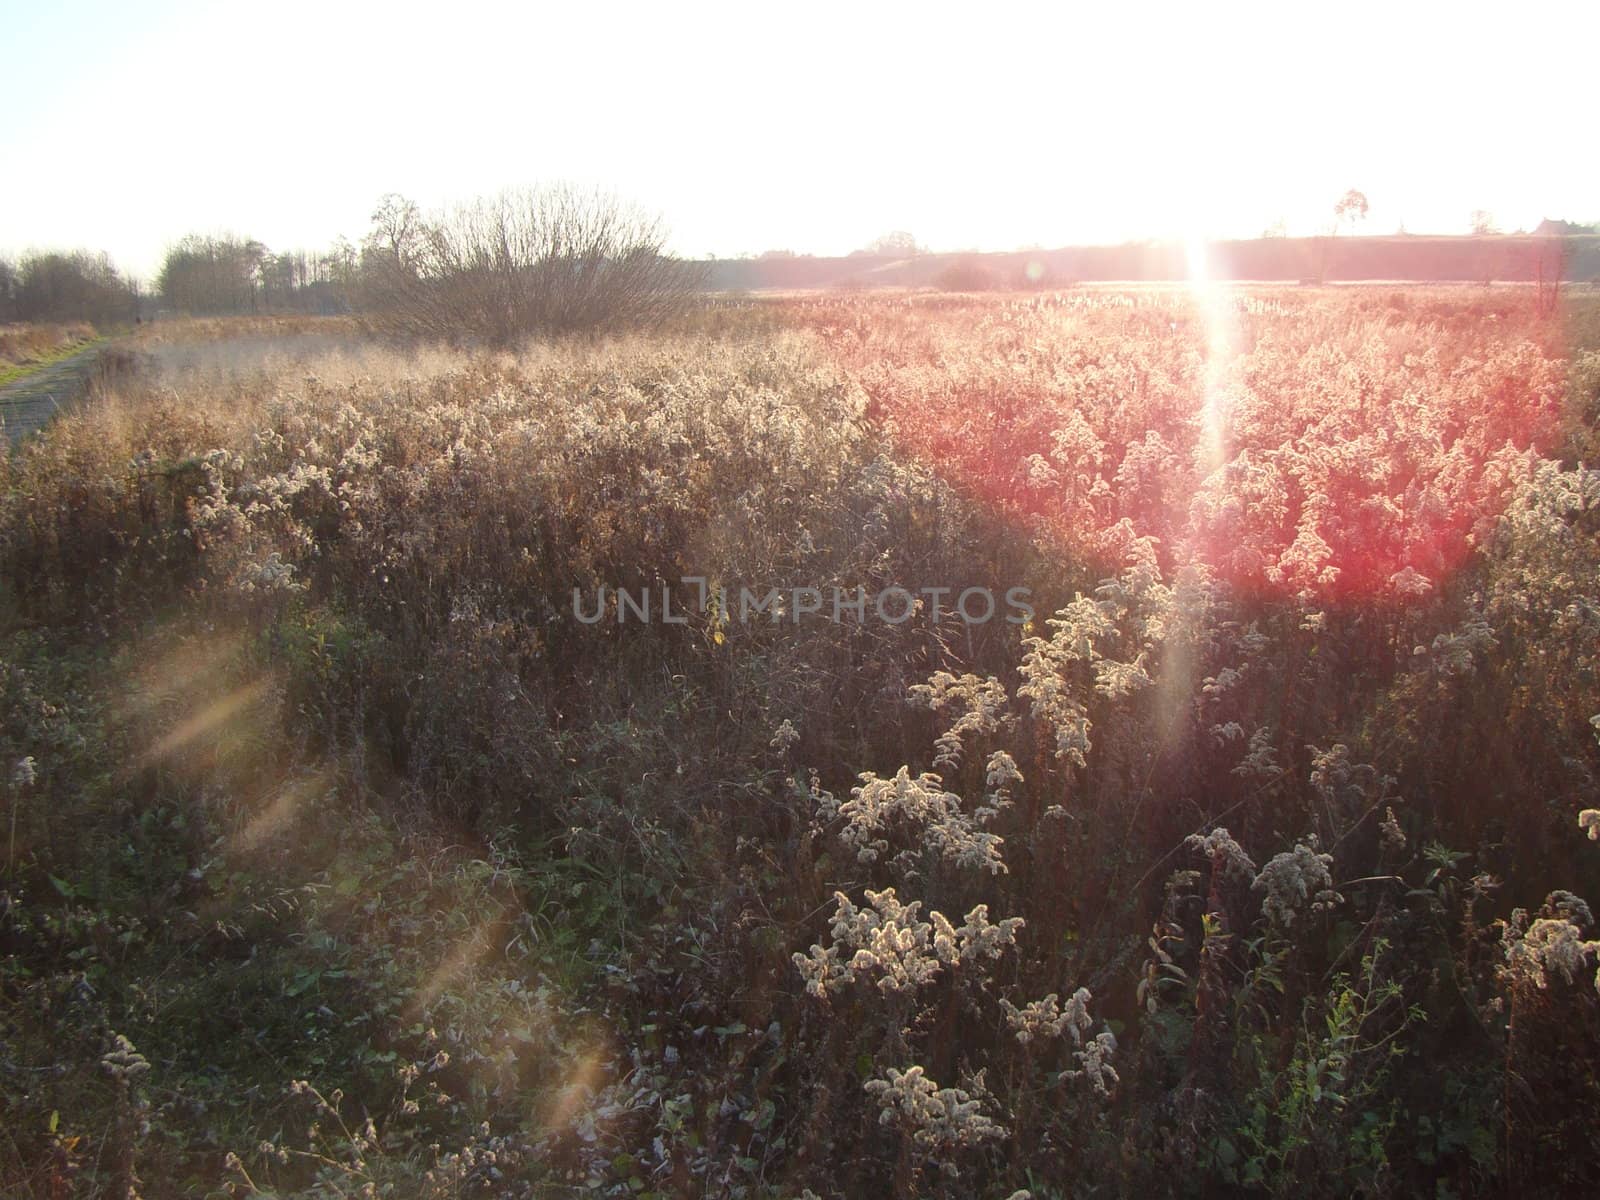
(59, 287)
(546, 260)
(1421, 259)
(201, 276)
(231, 275)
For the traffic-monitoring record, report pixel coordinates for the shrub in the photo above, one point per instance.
(966, 275)
(541, 261)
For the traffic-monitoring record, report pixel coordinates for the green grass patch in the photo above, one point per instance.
(11, 374)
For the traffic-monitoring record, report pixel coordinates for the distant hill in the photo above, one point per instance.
(1420, 259)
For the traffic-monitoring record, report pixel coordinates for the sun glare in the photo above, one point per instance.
(1213, 304)
(642, 601)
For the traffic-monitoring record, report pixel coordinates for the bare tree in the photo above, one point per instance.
(70, 286)
(8, 291)
(898, 244)
(539, 261)
(221, 274)
(1351, 210)
(1549, 265)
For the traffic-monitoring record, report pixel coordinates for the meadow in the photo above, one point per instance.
(343, 859)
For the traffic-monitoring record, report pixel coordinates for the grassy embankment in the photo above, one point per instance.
(25, 349)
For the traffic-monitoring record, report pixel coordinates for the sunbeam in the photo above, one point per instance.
(210, 719)
(1212, 302)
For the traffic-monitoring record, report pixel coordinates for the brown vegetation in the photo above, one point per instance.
(1252, 864)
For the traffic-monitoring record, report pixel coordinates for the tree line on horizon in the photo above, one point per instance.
(201, 275)
(48, 287)
(540, 260)
(543, 260)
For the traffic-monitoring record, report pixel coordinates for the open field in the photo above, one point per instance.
(389, 811)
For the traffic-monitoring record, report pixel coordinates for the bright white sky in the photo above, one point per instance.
(813, 127)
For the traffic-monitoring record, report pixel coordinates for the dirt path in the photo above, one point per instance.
(29, 402)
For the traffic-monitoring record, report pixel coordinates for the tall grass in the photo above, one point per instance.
(1231, 870)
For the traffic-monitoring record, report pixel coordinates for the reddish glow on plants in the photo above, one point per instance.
(1343, 445)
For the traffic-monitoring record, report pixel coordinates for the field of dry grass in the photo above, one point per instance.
(1253, 862)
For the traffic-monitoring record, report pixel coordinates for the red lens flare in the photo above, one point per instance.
(1339, 445)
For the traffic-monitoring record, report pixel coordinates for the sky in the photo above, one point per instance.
(810, 127)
